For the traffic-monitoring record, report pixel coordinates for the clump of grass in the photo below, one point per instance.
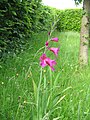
(69, 98)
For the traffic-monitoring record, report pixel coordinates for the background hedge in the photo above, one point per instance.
(20, 18)
(69, 20)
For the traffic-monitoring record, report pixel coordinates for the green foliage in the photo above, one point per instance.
(47, 15)
(70, 20)
(18, 21)
(69, 98)
(78, 1)
(20, 18)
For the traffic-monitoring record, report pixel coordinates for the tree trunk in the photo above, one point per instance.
(89, 36)
(89, 24)
(89, 29)
(84, 34)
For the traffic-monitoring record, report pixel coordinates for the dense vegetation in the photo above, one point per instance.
(19, 19)
(27, 91)
(70, 20)
(63, 96)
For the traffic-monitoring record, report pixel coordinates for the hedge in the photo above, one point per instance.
(69, 20)
(20, 18)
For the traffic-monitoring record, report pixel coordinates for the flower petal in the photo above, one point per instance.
(47, 43)
(43, 57)
(54, 50)
(44, 61)
(55, 39)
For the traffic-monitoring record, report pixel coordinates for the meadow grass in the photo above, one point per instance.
(28, 92)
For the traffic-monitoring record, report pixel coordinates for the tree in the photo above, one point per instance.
(84, 34)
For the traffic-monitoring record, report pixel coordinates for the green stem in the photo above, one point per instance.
(45, 94)
(51, 81)
(38, 93)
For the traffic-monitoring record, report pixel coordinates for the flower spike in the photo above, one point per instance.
(47, 61)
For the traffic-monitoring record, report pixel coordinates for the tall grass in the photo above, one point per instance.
(31, 93)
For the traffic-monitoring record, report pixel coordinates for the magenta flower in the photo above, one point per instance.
(48, 33)
(54, 50)
(47, 61)
(55, 39)
(46, 43)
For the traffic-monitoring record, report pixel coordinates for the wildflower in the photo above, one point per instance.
(46, 43)
(2, 83)
(48, 33)
(55, 39)
(17, 74)
(28, 76)
(44, 71)
(54, 50)
(47, 61)
(25, 102)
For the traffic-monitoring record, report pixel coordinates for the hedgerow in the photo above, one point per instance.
(46, 18)
(20, 18)
(70, 20)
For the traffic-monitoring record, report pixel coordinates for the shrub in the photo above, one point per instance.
(18, 21)
(46, 17)
(20, 18)
(70, 20)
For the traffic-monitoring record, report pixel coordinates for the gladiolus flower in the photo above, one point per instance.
(55, 39)
(47, 61)
(48, 33)
(46, 43)
(54, 50)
